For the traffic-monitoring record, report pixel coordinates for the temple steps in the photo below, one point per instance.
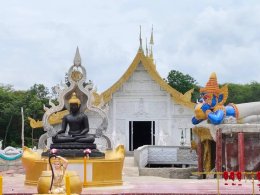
(130, 169)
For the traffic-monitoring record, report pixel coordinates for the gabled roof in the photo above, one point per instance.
(183, 99)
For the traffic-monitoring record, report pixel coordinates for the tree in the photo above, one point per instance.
(182, 83)
(40, 91)
(11, 101)
(242, 93)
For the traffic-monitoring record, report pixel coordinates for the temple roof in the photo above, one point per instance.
(106, 96)
(147, 62)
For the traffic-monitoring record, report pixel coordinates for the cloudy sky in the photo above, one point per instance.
(38, 39)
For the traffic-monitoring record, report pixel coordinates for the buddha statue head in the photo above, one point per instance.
(74, 103)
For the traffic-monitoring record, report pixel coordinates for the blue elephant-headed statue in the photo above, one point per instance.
(211, 106)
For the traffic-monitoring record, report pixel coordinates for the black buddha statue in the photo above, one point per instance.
(77, 139)
(78, 125)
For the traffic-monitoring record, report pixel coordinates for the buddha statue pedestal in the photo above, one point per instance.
(73, 150)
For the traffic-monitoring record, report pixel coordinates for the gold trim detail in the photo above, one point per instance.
(150, 67)
(207, 156)
(224, 91)
(74, 99)
(55, 118)
(203, 133)
(76, 75)
(235, 108)
(97, 99)
(35, 124)
(212, 85)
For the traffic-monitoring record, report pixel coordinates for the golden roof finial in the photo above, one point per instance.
(212, 85)
(77, 58)
(146, 48)
(151, 44)
(140, 39)
(151, 39)
(74, 99)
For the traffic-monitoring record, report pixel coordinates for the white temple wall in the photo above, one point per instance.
(142, 99)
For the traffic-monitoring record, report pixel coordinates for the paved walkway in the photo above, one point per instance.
(142, 185)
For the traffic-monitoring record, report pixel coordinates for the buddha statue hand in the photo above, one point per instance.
(59, 132)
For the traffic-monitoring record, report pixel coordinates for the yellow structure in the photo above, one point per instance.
(205, 137)
(55, 118)
(100, 172)
(73, 183)
(1, 185)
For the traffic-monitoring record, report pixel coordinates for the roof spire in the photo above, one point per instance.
(140, 39)
(151, 44)
(77, 58)
(151, 39)
(146, 48)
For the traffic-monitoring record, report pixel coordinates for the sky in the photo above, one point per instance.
(38, 39)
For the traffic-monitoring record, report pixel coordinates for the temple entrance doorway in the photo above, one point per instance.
(141, 133)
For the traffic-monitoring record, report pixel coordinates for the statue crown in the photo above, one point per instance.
(211, 86)
(74, 99)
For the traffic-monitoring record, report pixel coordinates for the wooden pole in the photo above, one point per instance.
(1, 185)
(253, 183)
(219, 151)
(241, 152)
(200, 156)
(218, 183)
(85, 171)
(68, 185)
(22, 134)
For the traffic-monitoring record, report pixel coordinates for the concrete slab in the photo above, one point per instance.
(143, 185)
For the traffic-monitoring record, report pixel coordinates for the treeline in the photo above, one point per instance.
(11, 102)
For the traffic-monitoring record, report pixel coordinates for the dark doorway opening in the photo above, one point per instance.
(213, 153)
(141, 133)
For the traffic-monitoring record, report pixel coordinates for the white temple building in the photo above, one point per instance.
(144, 110)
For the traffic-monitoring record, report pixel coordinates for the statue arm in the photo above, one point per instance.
(202, 110)
(63, 126)
(86, 125)
(64, 162)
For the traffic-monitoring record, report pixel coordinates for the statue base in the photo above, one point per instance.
(100, 171)
(73, 145)
(73, 153)
(73, 150)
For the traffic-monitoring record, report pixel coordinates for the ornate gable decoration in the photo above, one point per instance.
(76, 83)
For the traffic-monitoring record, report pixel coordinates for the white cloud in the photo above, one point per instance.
(38, 39)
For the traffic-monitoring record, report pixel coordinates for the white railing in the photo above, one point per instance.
(164, 155)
